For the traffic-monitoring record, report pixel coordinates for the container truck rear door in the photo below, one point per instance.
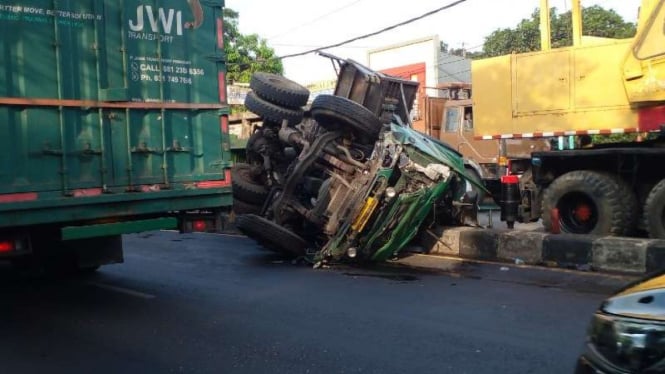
(104, 99)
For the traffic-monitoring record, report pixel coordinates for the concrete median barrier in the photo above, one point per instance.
(620, 254)
(655, 256)
(582, 252)
(521, 246)
(569, 251)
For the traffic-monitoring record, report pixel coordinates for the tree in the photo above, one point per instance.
(246, 54)
(525, 37)
(461, 52)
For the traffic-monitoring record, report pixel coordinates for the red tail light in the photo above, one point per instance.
(6, 246)
(199, 226)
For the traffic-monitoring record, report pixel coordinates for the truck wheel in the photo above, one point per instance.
(333, 112)
(271, 235)
(244, 187)
(258, 144)
(271, 112)
(654, 211)
(590, 202)
(279, 90)
(242, 207)
(87, 270)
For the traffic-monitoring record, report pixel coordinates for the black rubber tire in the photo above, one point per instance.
(611, 203)
(335, 112)
(654, 211)
(258, 143)
(279, 90)
(244, 187)
(271, 112)
(271, 235)
(242, 207)
(86, 271)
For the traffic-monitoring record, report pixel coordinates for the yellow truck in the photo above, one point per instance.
(450, 119)
(598, 86)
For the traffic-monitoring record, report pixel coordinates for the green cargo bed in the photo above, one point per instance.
(111, 108)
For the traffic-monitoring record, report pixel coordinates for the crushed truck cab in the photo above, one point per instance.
(349, 180)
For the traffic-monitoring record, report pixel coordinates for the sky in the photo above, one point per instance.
(292, 26)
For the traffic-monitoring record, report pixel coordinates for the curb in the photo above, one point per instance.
(580, 252)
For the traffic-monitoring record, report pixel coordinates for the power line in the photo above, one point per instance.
(475, 47)
(315, 19)
(455, 3)
(318, 46)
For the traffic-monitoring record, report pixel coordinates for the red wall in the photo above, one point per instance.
(406, 72)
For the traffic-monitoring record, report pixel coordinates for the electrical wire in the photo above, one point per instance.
(317, 46)
(453, 4)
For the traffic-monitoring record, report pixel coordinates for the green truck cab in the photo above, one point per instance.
(113, 120)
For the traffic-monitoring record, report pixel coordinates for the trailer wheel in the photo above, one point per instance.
(272, 112)
(271, 235)
(334, 112)
(245, 187)
(279, 90)
(654, 211)
(242, 207)
(590, 202)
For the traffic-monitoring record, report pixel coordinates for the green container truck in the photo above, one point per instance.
(113, 120)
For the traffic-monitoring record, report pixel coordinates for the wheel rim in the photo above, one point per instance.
(578, 213)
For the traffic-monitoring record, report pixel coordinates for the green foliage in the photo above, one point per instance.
(525, 37)
(246, 54)
(461, 52)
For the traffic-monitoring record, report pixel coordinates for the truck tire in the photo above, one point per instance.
(271, 235)
(242, 207)
(279, 90)
(654, 211)
(334, 112)
(244, 187)
(272, 112)
(590, 202)
(259, 144)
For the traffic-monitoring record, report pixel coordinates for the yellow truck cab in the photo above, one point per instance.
(451, 119)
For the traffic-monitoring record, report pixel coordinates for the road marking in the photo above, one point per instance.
(122, 290)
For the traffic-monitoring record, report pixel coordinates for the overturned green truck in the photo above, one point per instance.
(346, 178)
(113, 120)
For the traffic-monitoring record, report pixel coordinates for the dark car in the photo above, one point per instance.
(627, 333)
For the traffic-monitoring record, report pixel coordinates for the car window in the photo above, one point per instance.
(467, 123)
(452, 120)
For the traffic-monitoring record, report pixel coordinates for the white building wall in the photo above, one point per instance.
(416, 51)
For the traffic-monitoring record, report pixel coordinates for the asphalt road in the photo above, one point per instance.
(218, 304)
